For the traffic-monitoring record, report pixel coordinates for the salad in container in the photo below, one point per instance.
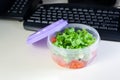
(72, 46)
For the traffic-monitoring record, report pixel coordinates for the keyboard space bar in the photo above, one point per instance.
(34, 27)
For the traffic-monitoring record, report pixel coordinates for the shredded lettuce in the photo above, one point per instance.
(74, 39)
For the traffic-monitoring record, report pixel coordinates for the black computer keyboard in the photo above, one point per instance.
(21, 9)
(16, 11)
(105, 19)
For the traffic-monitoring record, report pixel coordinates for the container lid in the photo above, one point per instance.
(50, 29)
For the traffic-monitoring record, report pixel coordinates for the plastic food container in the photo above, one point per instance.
(68, 58)
(74, 58)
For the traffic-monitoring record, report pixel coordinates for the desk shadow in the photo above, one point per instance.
(41, 43)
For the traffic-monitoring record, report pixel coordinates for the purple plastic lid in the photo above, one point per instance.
(50, 29)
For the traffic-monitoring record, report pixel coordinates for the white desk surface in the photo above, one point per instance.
(19, 61)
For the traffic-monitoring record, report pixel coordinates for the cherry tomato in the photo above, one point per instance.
(53, 39)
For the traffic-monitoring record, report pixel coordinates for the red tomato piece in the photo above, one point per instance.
(53, 39)
(59, 60)
(74, 64)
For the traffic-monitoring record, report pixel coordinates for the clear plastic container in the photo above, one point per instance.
(74, 58)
